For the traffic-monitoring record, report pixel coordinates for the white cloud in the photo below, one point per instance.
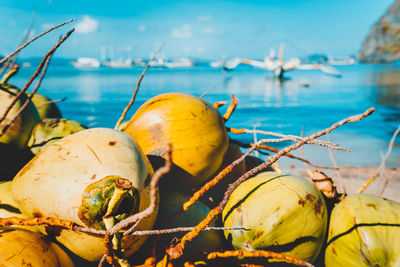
(204, 18)
(211, 31)
(183, 32)
(142, 28)
(87, 25)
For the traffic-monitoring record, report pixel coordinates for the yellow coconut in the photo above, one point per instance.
(19, 247)
(73, 178)
(193, 127)
(45, 107)
(364, 230)
(49, 131)
(284, 213)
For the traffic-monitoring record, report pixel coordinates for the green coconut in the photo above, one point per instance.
(45, 107)
(364, 230)
(284, 213)
(13, 141)
(50, 130)
(75, 179)
(169, 217)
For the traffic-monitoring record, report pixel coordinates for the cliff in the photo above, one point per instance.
(382, 44)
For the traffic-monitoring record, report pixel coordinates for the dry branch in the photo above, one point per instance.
(231, 108)
(177, 251)
(136, 89)
(35, 74)
(33, 39)
(258, 254)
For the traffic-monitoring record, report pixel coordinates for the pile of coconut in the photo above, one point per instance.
(171, 187)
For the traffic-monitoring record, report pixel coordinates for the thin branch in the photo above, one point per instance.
(258, 254)
(33, 39)
(28, 100)
(269, 148)
(183, 229)
(332, 156)
(206, 92)
(293, 138)
(177, 251)
(382, 165)
(136, 89)
(38, 70)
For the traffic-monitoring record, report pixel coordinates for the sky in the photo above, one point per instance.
(201, 29)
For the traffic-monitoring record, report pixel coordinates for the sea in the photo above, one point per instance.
(304, 103)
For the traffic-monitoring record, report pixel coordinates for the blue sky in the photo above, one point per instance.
(202, 29)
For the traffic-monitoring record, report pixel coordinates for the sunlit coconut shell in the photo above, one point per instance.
(59, 180)
(364, 230)
(193, 128)
(45, 107)
(51, 130)
(284, 213)
(19, 247)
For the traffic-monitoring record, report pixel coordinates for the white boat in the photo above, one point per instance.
(179, 63)
(126, 63)
(278, 66)
(86, 62)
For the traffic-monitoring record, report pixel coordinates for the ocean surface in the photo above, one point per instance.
(306, 101)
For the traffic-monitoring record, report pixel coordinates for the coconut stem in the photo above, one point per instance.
(122, 187)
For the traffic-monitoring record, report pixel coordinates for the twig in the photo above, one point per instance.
(258, 254)
(231, 108)
(293, 138)
(28, 100)
(33, 39)
(51, 102)
(182, 229)
(381, 166)
(136, 89)
(177, 251)
(286, 155)
(38, 70)
(332, 156)
(206, 92)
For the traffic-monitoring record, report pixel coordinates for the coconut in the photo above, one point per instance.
(364, 230)
(21, 247)
(74, 178)
(284, 213)
(13, 141)
(45, 107)
(170, 217)
(49, 131)
(193, 128)
(18, 133)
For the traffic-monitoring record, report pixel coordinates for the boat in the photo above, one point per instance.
(179, 63)
(278, 66)
(86, 62)
(120, 63)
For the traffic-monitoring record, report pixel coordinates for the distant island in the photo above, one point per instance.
(382, 44)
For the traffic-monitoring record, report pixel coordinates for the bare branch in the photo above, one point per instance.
(136, 89)
(35, 74)
(33, 39)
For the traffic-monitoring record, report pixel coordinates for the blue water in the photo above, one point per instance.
(97, 97)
